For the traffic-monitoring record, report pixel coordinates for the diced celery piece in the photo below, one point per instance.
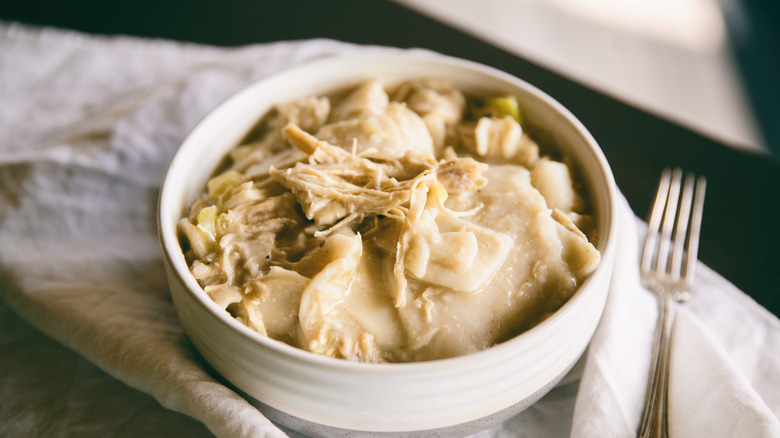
(223, 182)
(206, 218)
(505, 105)
(211, 223)
(240, 152)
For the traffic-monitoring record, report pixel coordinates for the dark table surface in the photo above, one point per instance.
(740, 238)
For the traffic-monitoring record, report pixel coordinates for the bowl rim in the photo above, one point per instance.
(172, 250)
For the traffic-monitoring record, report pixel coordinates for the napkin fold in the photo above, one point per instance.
(88, 125)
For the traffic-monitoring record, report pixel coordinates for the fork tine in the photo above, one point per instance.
(670, 212)
(654, 223)
(684, 214)
(693, 236)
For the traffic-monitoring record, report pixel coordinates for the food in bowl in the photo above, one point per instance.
(391, 222)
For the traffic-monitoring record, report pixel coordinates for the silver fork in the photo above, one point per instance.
(667, 268)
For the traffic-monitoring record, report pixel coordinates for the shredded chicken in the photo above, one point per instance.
(461, 175)
(334, 184)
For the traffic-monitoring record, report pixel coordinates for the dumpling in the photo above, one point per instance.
(439, 104)
(386, 135)
(499, 139)
(444, 250)
(325, 328)
(554, 182)
(368, 98)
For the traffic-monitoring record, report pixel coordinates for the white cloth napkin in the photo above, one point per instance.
(87, 127)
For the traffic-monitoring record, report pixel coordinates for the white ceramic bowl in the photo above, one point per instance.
(324, 396)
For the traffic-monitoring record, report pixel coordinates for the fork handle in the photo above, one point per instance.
(655, 418)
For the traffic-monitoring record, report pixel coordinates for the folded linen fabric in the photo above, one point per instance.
(87, 127)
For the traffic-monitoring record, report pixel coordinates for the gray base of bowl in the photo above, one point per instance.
(312, 429)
